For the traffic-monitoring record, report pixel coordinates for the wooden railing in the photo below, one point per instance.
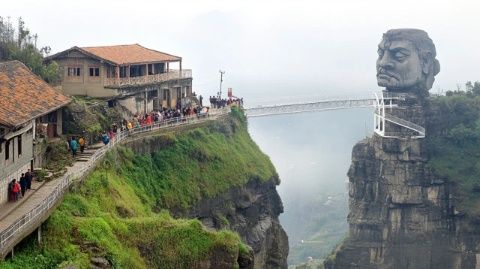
(10, 236)
(149, 79)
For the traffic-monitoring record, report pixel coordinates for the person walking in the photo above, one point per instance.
(11, 194)
(23, 184)
(74, 146)
(81, 142)
(29, 177)
(105, 138)
(16, 190)
(69, 140)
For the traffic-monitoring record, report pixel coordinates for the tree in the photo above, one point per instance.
(19, 44)
(476, 88)
(472, 88)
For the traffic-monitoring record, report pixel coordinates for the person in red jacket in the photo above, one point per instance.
(16, 190)
(149, 120)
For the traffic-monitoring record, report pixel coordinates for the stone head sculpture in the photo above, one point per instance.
(406, 61)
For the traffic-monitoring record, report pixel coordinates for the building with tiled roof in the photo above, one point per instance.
(136, 77)
(130, 54)
(26, 102)
(24, 96)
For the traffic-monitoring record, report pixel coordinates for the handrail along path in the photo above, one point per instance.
(28, 222)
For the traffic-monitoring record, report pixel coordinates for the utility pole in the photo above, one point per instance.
(221, 80)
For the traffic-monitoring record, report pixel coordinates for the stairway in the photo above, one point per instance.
(406, 124)
(88, 152)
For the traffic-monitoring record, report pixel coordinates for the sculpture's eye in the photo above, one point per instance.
(399, 56)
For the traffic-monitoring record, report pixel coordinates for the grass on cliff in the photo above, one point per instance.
(120, 211)
(453, 141)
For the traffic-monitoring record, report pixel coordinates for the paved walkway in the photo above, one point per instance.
(33, 197)
(6, 209)
(30, 202)
(19, 219)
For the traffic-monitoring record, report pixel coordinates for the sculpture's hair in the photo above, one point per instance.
(425, 47)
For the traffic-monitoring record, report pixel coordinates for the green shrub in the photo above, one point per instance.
(453, 143)
(120, 211)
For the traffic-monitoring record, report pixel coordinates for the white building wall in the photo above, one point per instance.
(17, 163)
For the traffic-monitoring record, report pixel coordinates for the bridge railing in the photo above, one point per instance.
(311, 106)
(15, 230)
(329, 100)
(407, 124)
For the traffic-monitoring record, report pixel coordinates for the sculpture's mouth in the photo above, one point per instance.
(386, 76)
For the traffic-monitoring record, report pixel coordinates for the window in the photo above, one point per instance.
(150, 69)
(123, 71)
(73, 71)
(179, 93)
(51, 117)
(94, 71)
(19, 139)
(152, 94)
(7, 150)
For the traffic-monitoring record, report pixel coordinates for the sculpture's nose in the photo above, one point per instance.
(385, 61)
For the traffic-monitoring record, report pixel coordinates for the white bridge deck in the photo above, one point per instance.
(260, 111)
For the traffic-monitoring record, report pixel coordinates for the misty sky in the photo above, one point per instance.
(269, 49)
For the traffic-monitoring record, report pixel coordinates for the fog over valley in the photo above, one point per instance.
(269, 49)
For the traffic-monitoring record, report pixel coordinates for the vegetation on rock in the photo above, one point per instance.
(453, 143)
(89, 116)
(120, 212)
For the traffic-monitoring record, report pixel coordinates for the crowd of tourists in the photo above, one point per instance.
(159, 116)
(17, 189)
(217, 102)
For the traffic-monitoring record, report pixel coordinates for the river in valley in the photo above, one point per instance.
(312, 154)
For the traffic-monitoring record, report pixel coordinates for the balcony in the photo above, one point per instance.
(149, 79)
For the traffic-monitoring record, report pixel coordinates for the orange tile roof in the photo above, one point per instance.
(24, 96)
(130, 54)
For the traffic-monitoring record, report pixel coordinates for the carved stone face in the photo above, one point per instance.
(398, 65)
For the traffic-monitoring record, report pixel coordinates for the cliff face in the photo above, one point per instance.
(401, 214)
(250, 207)
(252, 211)
(120, 215)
